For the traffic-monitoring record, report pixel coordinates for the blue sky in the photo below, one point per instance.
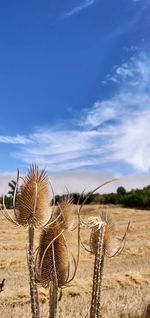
(74, 86)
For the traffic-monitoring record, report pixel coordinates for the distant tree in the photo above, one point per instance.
(77, 198)
(56, 199)
(121, 190)
(7, 200)
(135, 198)
(147, 188)
(12, 186)
(110, 198)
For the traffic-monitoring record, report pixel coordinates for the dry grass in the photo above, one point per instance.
(126, 284)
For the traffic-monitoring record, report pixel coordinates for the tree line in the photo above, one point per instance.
(136, 198)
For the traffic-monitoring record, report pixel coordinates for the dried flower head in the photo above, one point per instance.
(65, 212)
(32, 204)
(52, 261)
(111, 244)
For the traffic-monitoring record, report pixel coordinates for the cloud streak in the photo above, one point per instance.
(112, 133)
(63, 150)
(84, 5)
(127, 114)
(18, 139)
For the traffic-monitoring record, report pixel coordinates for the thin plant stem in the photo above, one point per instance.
(53, 300)
(98, 275)
(33, 286)
(53, 296)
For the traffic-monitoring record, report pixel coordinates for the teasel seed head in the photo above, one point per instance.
(32, 202)
(111, 245)
(52, 260)
(66, 213)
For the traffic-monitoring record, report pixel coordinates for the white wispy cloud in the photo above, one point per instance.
(63, 150)
(113, 132)
(18, 139)
(132, 145)
(84, 4)
(127, 114)
(136, 71)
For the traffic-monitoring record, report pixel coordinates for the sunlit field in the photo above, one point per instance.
(126, 283)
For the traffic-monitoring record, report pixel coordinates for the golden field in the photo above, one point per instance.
(126, 282)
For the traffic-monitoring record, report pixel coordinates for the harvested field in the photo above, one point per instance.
(126, 284)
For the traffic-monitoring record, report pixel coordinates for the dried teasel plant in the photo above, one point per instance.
(103, 241)
(53, 260)
(31, 209)
(32, 204)
(81, 222)
(65, 213)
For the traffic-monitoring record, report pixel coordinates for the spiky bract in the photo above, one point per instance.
(32, 204)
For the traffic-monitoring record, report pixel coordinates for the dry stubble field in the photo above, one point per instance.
(126, 283)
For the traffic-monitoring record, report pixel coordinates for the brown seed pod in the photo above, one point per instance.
(65, 212)
(32, 204)
(111, 245)
(52, 261)
(108, 231)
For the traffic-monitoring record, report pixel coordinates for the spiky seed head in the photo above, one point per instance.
(32, 204)
(52, 262)
(65, 210)
(111, 243)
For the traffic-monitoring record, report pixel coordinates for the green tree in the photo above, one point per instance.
(7, 200)
(12, 186)
(121, 190)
